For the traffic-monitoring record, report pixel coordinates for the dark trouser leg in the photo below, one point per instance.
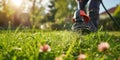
(94, 12)
(83, 4)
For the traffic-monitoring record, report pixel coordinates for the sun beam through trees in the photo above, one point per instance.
(17, 2)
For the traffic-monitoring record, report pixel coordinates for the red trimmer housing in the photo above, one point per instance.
(84, 15)
(80, 14)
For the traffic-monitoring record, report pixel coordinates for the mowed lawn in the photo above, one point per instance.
(115, 33)
(61, 45)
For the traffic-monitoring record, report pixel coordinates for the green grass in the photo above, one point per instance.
(25, 45)
(115, 33)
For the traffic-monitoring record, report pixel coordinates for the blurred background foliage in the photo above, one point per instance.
(53, 15)
(108, 23)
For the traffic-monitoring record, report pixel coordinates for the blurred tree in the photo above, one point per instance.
(117, 11)
(11, 14)
(36, 13)
(52, 11)
(60, 9)
(117, 17)
(5, 14)
(33, 13)
(61, 12)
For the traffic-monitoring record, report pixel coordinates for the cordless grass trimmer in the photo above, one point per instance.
(81, 18)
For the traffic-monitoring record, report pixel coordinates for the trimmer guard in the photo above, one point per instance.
(80, 14)
(84, 15)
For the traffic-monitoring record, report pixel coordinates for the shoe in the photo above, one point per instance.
(83, 27)
(79, 26)
(82, 22)
(92, 27)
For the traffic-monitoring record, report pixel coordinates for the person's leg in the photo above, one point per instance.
(83, 4)
(94, 12)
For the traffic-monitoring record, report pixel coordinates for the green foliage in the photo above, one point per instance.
(51, 16)
(109, 24)
(62, 8)
(13, 16)
(25, 45)
(117, 15)
(6, 13)
(117, 11)
(60, 14)
(36, 13)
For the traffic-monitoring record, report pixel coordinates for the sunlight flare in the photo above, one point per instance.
(17, 2)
